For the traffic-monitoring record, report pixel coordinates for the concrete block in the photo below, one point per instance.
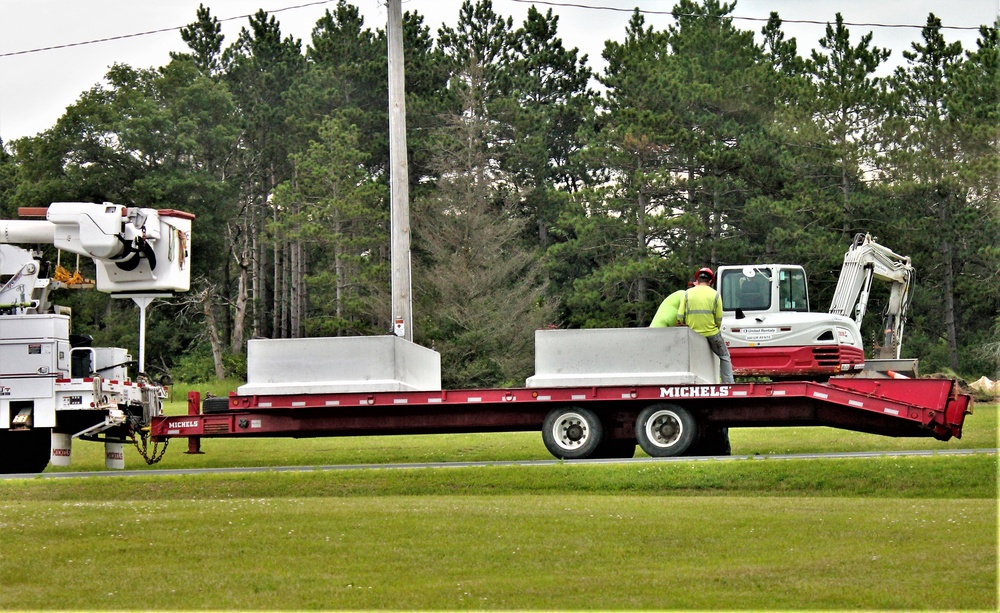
(622, 356)
(340, 365)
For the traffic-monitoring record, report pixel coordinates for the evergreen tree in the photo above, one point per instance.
(848, 103)
(549, 104)
(204, 38)
(260, 67)
(8, 181)
(480, 291)
(926, 172)
(334, 213)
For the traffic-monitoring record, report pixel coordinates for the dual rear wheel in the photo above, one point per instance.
(662, 430)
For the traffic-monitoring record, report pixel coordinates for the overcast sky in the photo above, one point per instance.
(36, 87)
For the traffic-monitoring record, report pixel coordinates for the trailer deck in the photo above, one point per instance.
(599, 416)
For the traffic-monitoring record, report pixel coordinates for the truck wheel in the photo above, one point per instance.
(25, 451)
(215, 405)
(665, 430)
(572, 433)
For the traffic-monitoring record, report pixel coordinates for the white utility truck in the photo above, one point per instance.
(54, 386)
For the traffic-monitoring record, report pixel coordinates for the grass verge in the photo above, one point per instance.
(774, 534)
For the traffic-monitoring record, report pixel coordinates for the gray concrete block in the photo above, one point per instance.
(340, 365)
(622, 356)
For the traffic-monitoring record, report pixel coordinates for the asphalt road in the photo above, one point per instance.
(265, 469)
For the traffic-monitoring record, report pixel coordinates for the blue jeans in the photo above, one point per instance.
(718, 346)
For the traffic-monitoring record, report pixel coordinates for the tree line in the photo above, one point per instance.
(543, 193)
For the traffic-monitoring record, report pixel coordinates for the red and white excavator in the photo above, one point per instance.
(54, 386)
(771, 332)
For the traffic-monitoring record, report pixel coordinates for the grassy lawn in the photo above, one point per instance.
(872, 533)
(864, 533)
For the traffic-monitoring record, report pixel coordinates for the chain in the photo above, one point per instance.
(151, 458)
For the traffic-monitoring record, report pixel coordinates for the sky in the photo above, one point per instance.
(38, 82)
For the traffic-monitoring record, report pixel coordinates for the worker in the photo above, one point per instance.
(701, 310)
(666, 315)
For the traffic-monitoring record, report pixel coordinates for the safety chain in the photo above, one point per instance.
(151, 458)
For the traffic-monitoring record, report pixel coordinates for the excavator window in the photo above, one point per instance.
(792, 290)
(749, 289)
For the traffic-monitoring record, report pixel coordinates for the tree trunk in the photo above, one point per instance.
(845, 193)
(294, 308)
(212, 325)
(240, 302)
(303, 292)
(338, 271)
(278, 264)
(947, 258)
(640, 235)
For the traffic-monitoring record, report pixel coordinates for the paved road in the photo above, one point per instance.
(644, 460)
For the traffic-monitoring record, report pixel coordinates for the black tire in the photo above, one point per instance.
(572, 433)
(215, 405)
(665, 430)
(712, 441)
(25, 451)
(616, 448)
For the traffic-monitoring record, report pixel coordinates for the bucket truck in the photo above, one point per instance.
(54, 386)
(770, 331)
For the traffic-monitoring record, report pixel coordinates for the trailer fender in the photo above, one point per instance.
(665, 430)
(572, 433)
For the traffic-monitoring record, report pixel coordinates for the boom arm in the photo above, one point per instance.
(134, 249)
(867, 260)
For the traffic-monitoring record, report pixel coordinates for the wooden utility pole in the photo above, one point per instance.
(399, 193)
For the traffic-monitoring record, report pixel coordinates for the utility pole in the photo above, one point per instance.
(399, 191)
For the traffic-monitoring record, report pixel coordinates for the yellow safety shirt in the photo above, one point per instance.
(666, 315)
(701, 310)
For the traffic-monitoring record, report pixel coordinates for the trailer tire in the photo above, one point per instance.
(572, 433)
(215, 405)
(25, 452)
(665, 430)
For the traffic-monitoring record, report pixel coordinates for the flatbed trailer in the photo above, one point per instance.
(587, 421)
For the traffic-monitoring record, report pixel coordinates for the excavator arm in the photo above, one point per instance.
(865, 261)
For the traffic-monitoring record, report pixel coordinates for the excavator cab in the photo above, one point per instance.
(770, 288)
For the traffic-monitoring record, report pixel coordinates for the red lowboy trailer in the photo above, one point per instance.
(588, 421)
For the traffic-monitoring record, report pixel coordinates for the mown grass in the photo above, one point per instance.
(898, 533)
(561, 552)
(872, 533)
(972, 476)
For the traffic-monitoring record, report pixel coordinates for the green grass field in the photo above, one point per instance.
(897, 533)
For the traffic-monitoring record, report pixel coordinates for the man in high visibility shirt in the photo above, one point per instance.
(701, 310)
(666, 315)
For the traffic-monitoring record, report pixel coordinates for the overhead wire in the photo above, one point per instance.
(542, 2)
(762, 19)
(150, 32)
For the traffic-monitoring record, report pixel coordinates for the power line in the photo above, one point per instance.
(542, 2)
(150, 32)
(806, 21)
